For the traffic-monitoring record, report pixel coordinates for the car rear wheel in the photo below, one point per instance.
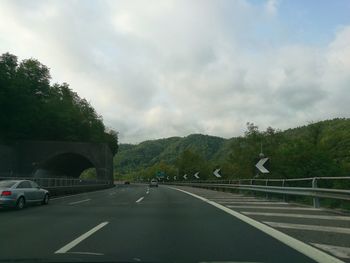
(20, 203)
(46, 199)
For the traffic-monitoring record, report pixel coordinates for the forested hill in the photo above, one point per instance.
(318, 149)
(134, 157)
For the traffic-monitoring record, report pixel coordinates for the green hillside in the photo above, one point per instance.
(317, 149)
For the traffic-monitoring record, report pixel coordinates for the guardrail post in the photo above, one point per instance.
(316, 200)
(284, 195)
(267, 194)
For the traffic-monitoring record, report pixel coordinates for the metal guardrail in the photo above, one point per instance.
(313, 191)
(61, 182)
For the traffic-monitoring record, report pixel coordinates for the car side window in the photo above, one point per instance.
(27, 184)
(24, 184)
(34, 185)
(20, 185)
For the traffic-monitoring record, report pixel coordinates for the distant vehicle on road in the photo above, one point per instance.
(153, 182)
(18, 193)
(126, 182)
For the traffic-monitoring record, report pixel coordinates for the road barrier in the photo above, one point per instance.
(62, 186)
(262, 185)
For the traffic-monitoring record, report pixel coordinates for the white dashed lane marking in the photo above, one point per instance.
(81, 201)
(76, 241)
(140, 199)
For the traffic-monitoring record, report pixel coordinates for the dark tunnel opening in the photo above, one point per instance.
(64, 165)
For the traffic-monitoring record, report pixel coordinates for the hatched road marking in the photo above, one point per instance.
(86, 253)
(342, 252)
(235, 198)
(275, 208)
(254, 202)
(331, 229)
(296, 244)
(139, 200)
(344, 218)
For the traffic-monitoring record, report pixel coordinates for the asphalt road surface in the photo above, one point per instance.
(133, 223)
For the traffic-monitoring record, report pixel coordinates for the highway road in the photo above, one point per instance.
(135, 223)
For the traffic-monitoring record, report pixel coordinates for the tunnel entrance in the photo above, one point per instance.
(90, 173)
(64, 165)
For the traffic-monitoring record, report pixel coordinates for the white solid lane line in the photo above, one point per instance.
(79, 239)
(341, 252)
(344, 218)
(305, 249)
(330, 229)
(81, 201)
(139, 200)
(275, 207)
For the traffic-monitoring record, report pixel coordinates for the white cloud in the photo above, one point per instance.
(164, 68)
(271, 7)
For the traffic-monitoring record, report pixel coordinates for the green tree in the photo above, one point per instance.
(33, 109)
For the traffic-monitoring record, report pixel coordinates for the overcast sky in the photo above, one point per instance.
(159, 68)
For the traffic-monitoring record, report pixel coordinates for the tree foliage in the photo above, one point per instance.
(33, 109)
(318, 149)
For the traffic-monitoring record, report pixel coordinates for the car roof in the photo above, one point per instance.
(14, 181)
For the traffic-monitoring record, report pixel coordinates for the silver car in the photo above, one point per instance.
(18, 193)
(153, 182)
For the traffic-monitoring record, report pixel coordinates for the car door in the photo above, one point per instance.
(27, 190)
(37, 193)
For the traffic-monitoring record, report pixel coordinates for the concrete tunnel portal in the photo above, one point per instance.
(63, 165)
(56, 158)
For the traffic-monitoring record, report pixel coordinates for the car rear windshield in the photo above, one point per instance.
(7, 184)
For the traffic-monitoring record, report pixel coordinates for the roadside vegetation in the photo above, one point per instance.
(318, 149)
(33, 109)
